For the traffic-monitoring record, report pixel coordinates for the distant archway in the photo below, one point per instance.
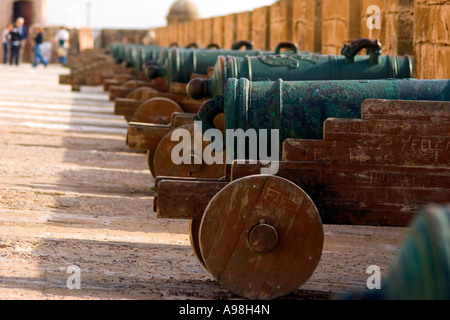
(24, 9)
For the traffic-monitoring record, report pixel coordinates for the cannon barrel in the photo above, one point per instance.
(155, 55)
(182, 63)
(145, 54)
(298, 109)
(136, 55)
(304, 66)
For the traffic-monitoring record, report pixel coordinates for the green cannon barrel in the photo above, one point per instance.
(124, 53)
(151, 54)
(139, 56)
(128, 54)
(304, 66)
(157, 58)
(135, 55)
(151, 57)
(142, 56)
(113, 49)
(136, 58)
(182, 63)
(298, 109)
(119, 53)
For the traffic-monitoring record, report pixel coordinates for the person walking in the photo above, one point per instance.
(39, 39)
(16, 40)
(6, 39)
(62, 39)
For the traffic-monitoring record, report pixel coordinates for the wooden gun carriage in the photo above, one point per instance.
(261, 235)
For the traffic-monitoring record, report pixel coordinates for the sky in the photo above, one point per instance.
(135, 14)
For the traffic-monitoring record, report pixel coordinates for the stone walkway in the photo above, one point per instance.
(75, 201)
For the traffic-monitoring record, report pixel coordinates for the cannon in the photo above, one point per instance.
(140, 58)
(144, 128)
(421, 268)
(293, 66)
(136, 58)
(130, 104)
(177, 90)
(261, 236)
(93, 67)
(94, 74)
(127, 108)
(155, 136)
(110, 69)
(181, 64)
(153, 56)
(139, 53)
(296, 109)
(125, 54)
(199, 68)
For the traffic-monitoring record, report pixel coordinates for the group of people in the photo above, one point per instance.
(14, 39)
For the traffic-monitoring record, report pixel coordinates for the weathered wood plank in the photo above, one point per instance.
(126, 107)
(405, 110)
(183, 198)
(145, 136)
(354, 129)
(361, 194)
(391, 150)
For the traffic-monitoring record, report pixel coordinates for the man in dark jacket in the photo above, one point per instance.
(16, 40)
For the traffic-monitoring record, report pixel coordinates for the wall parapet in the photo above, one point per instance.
(419, 28)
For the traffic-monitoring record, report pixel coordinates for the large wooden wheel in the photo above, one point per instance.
(156, 111)
(150, 162)
(194, 231)
(261, 237)
(141, 93)
(164, 166)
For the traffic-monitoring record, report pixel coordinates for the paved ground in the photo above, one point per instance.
(74, 197)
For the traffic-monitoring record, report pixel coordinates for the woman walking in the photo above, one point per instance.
(39, 39)
(6, 39)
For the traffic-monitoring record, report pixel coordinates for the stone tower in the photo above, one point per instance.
(181, 11)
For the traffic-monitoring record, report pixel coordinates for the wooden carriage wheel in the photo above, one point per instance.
(156, 111)
(261, 237)
(150, 159)
(164, 166)
(194, 232)
(141, 93)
